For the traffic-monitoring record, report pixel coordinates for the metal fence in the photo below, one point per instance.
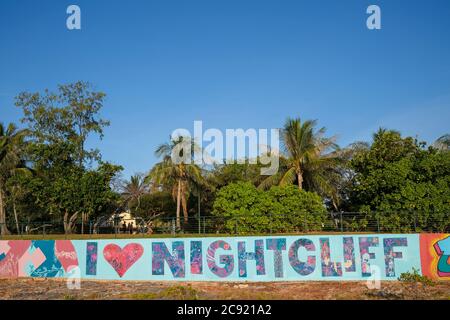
(336, 222)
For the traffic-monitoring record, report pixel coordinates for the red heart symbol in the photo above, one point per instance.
(122, 259)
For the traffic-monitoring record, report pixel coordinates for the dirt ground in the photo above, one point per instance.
(38, 289)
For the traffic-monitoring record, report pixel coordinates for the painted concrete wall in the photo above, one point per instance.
(275, 258)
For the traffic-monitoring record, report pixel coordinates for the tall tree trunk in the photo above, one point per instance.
(3, 228)
(138, 203)
(178, 204)
(68, 222)
(300, 180)
(15, 216)
(66, 217)
(184, 206)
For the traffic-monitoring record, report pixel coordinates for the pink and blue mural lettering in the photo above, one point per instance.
(196, 257)
(282, 258)
(366, 256)
(349, 254)
(329, 268)
(258, 256)
(390, 254)
(302, 268)
(91, 258)
(175, 260)
(277, 245)
(226, 260)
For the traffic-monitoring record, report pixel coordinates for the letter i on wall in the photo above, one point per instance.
(196, 257)
(91, 258)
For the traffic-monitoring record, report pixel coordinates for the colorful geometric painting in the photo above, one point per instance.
(37, 258)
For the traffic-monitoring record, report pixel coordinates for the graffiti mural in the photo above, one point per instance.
(37, 258)
(281, 258)
(435, 255)
(121, 259)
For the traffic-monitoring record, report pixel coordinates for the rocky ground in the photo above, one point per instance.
(57, 289)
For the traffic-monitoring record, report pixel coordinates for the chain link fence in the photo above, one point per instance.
(334, 222)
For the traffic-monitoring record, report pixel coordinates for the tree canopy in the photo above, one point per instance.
(50, 173)
(245, 208)
(397, 178)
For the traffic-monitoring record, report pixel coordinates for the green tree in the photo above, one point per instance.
(133, 190)
(294, 210)
(310, 160)
(69, 115)
(179, 177)
(402, 184)
(224, 174)
(59, 124)
(245, 208)
(11, 160)
(17, 192)
(96, 189)
(77, 192)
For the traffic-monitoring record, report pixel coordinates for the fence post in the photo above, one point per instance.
(304, 223)
(342, 225)
(204, 225)
(415, 221)
(173, 228)
(378, 223)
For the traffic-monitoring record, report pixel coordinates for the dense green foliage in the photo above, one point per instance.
(48, 174)
(62, 183)
(406, 186)
(244, 208)
(12, 146)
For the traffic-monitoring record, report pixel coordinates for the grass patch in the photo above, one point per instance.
(415, 284)
(175, 292)
(415, 277)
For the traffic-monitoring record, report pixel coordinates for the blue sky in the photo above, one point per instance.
(234, 64)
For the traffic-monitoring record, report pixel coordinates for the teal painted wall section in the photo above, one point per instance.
(274, 258)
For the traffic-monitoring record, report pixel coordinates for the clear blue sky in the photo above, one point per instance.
(234, 64)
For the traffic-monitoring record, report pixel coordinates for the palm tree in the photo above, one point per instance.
(134, 189)
(11, 148)
(310, 160)
(179, 175)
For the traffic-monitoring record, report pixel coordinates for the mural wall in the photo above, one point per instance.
(278, 258)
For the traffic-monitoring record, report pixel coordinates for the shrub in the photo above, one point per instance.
(415, 277)
(245, 208)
